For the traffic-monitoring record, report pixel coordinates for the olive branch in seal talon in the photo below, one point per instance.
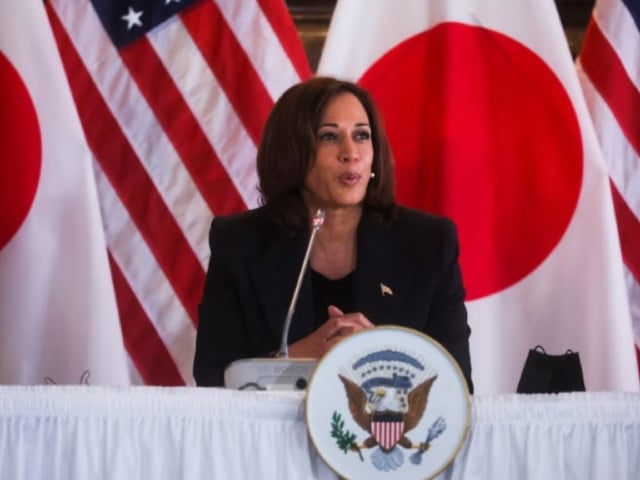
(344, 438)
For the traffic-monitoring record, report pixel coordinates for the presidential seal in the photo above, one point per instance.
(384, 395)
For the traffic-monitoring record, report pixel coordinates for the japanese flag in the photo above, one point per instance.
(488, 126)
(58, 317)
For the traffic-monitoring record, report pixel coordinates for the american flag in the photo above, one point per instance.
(609, 68)
(172, 95)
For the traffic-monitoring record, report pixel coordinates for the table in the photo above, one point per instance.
(92, 432)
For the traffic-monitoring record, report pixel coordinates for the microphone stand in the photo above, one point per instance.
(281, 373)
(318, 220)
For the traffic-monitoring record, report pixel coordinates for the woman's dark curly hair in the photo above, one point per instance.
(288, 148)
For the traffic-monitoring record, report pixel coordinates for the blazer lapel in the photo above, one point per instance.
(275, 273)
(380, 284)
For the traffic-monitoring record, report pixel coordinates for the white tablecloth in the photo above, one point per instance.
(92, 433)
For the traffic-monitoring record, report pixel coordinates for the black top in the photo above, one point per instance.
(330, 292)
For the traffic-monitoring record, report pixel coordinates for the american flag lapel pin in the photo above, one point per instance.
(385, 290)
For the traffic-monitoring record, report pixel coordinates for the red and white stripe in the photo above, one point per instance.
(609, 68)
(387, 433)
(173, 120)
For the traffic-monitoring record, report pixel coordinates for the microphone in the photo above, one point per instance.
(282, 372)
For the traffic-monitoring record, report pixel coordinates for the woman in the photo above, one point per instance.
(372, 261)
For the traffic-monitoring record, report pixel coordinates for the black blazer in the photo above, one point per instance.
(254, 267)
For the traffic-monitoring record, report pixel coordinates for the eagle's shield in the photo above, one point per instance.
(387, 428)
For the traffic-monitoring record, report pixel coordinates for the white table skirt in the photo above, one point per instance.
(53, 432)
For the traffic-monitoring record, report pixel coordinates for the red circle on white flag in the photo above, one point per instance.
(20, 151)
(482, 131)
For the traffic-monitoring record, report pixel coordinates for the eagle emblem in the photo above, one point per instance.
(387, 393)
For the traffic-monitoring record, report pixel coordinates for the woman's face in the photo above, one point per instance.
(341, 169)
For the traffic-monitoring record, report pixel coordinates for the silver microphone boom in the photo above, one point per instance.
(318, 220)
